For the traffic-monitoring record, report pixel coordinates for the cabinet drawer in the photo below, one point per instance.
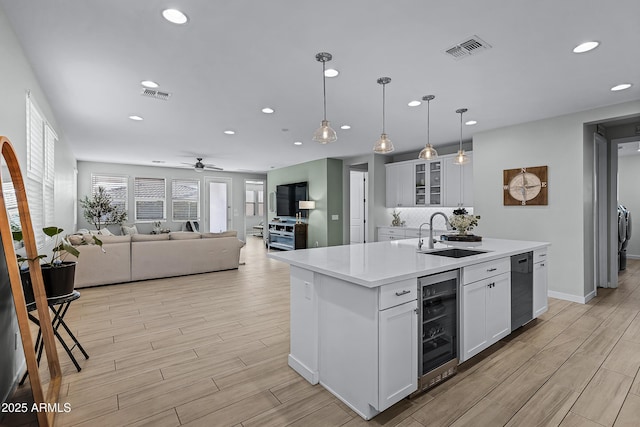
(540, 255)
(394, 231)
(476, 272)
(398, 293)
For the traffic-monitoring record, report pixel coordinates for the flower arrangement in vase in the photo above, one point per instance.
(462, 221)
(396, 221)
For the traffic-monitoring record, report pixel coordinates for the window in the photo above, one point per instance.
(149, 198)
(40, 180)
(117, 187)
(254, 202)
(185, 199)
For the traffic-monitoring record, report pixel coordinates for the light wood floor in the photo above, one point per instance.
(211, 350)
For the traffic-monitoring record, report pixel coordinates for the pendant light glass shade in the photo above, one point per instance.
(384, 144)
(324, 134)
(428, 152)
(461, 157)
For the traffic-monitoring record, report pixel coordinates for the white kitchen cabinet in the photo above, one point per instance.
(391, 233)
(458, 182)
(540, 271)
(428, 183)
(398, 353)
(486, 306)
(400, 184)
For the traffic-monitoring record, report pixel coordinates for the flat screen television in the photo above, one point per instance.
(287, 198)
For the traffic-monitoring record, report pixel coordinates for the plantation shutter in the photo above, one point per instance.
(40, 180)
(149, 197)
(185, 200)
(115, 186)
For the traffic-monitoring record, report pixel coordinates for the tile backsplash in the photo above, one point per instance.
(413, 217)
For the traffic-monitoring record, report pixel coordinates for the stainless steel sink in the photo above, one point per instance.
(454, 252)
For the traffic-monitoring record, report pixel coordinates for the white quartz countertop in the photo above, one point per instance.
(380, 263)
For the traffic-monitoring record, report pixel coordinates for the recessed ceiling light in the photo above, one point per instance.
(622, 86)
(471, 123)
(331, 72)
(136, 118)
(297, 143)
(149, 84)
(268, 110)
(230, 132)
(174, 16)
(585, 47)
(345, 127)
(414, 103)
(157, 161)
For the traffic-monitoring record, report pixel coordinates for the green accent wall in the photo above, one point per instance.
(324, 178)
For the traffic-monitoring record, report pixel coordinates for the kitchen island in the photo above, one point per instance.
(354, 327)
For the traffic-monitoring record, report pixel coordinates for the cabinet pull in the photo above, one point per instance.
(491, 285)
(491, 269)
(399, 294)
(415, 310)
(543, 255)
(542, 264)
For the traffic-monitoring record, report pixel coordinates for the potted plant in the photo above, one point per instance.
(99, 209)
(58, 275)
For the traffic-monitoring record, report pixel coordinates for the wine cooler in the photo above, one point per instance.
(438, 328)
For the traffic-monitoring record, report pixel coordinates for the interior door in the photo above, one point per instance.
(218, 204)
(357, 224)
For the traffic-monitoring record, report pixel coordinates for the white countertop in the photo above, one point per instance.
(380, 263)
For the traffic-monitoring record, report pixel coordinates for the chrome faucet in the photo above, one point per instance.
(446, 220)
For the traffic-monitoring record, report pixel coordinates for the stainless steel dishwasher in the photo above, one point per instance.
(521, 289)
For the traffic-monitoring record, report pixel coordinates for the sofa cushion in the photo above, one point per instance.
(230, 233)
(129, 230)
(148, 237)
(184, 235)
(114, 239)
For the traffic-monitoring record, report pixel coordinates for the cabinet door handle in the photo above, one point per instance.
(491, 285)
(415, 310)
(491, 269)
(399, 294)
(542, 264)
(543, 255)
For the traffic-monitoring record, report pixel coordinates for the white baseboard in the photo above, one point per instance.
(633, 256)
(573, 298)
(303, 370)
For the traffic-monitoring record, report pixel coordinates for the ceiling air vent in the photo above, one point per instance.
(157, 94)
(472, 46)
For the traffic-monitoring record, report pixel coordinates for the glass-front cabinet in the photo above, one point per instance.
(428, 180)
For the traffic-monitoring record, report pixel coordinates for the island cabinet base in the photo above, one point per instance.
(359, 343)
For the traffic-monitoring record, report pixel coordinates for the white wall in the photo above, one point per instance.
(566, 221)
(629, 195)
(85, 169)
(16, 77)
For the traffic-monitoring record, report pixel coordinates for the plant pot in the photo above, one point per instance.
(58, 281)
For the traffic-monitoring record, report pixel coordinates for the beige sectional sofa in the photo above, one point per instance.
(140, 256)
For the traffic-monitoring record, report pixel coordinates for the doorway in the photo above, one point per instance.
(218, 204)
(254, 208)
(358, 188)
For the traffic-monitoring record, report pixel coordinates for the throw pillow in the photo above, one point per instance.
(75, 239)
(129, 230)
(105, 232)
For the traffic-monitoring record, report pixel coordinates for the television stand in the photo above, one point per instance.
(287, 235)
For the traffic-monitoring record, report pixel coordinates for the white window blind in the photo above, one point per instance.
(40, 180)
(149, 198)
(117, 187)
(185, 199)
(11, 203)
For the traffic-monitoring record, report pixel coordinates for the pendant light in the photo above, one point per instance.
(461, 158)
(384, 144)
(428, 152)
(324, 134)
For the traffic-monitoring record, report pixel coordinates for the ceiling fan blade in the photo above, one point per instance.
(212, 168)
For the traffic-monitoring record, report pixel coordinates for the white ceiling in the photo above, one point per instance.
(234, 57)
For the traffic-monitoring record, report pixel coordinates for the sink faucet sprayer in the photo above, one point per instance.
(430, 243)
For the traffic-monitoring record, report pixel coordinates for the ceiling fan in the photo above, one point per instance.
(198, 166)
